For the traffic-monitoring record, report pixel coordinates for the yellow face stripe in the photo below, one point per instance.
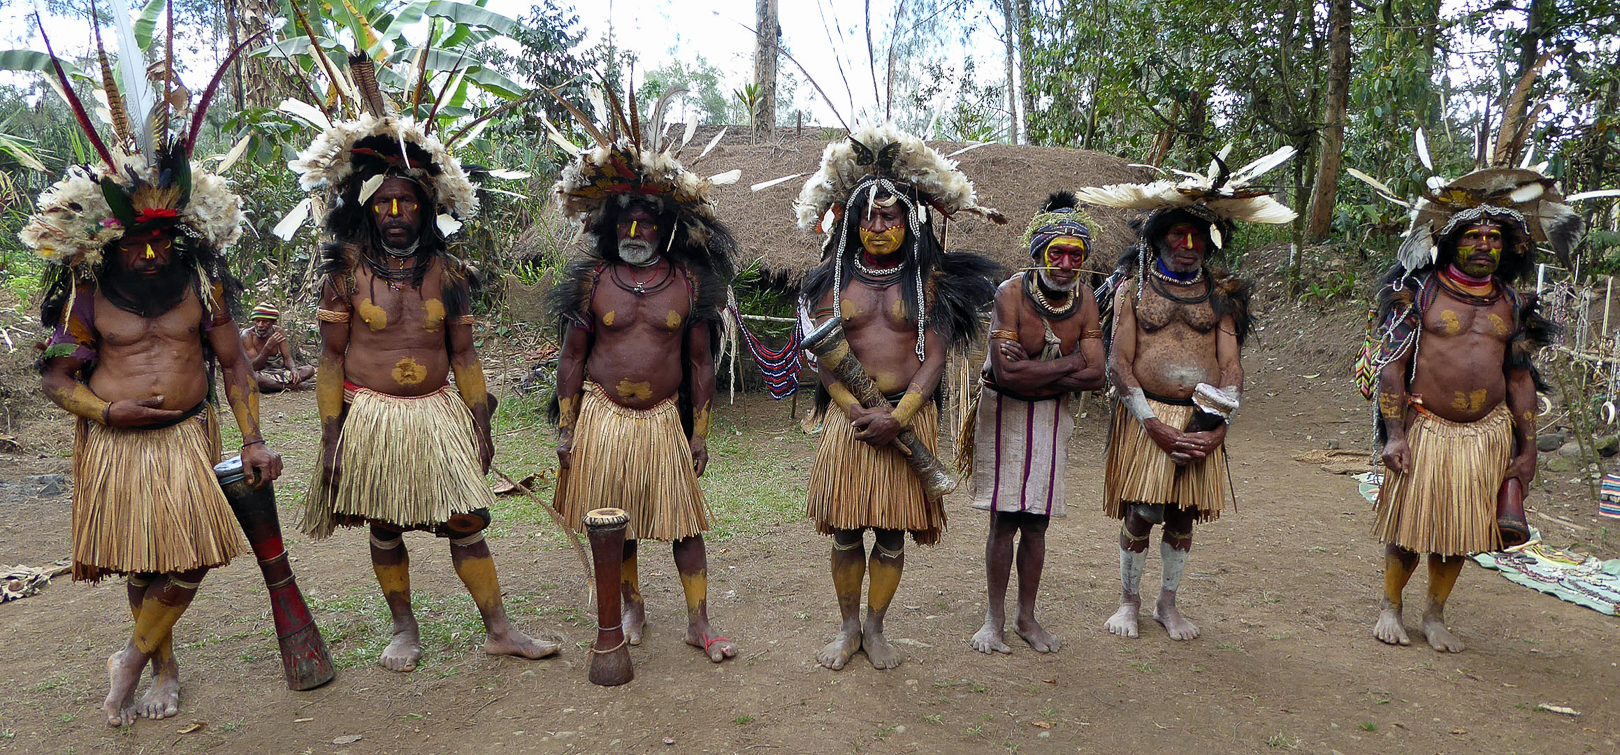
(396, 207)
(633, 228)
(149, 253)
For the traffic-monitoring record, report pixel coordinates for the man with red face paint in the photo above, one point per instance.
(903, 303)
(1045, 345)
(1456, 414)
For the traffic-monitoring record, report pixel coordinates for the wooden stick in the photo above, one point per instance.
(584, 561)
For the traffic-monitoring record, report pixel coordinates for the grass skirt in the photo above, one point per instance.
(1446, 504)
(638, 460)
(1020, 454)
(854, 485)
(409, 462)
(148, 501)
(1138, 471)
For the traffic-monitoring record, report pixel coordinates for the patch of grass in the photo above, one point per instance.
(357, 627)
(1281, 741)
(1144, 667)
(743, 720)
(1224, 645)
(935, 720)
(967, 684)
(7, 734)
(237, 725)
(67, 718)
(883, 732)
(976, 730)
(1368, 726)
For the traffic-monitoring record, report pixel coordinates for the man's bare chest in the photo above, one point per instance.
(380, 305)
(617, 307)
(120, 329)
(1155, 312)
(864, 306)
(1448, 318)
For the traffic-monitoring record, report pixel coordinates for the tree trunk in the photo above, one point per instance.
(1333, 116)
(1010, 20)
(765, 54)
(1025, 43)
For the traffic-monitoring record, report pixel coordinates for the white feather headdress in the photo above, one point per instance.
(887, 152)
(1219, 195)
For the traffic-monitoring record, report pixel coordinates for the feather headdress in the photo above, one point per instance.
(885, 153)
(633, 159)
(1220, 195)
(145, 178)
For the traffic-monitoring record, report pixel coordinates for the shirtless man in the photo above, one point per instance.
(266, 345)
(638, 323)
(1178, 328)
(882, 248)
(401, 449)
(1044, 345)
(1457, 414)
(127, 357)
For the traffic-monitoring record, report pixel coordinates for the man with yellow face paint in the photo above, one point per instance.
(1045, 345)
(903, 303)
(402, 449)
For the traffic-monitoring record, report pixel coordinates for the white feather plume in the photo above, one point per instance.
(1242, 176)
(1422, 141)
(292, 221)
(136, 89)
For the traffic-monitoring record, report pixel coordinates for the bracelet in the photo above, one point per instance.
(258, 442)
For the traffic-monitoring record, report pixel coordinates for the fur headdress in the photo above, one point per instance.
(877, 155)
(145, 179)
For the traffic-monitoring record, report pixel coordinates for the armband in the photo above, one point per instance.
(1094, 334)
(327, 315)
(1005, 335)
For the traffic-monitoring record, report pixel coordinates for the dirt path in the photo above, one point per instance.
(1284, 590)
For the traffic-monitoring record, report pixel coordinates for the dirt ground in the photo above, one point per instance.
(1284, 589)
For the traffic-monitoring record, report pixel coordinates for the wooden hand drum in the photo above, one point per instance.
(610, 655)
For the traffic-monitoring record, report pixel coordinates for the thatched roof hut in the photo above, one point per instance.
(1012, 179)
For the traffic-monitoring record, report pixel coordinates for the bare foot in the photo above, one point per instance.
(633, 618)
(988, 638)
(1389, 629)
(513, 642)
(710, 642)
(841, 649)
(163, 699)
(1037, 636)
(1440, 638)
(1123, 622)
(124, 670)
(1179, 628)
(403, 652)
(878, 650)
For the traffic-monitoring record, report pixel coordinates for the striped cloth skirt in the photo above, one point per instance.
(1020, 453)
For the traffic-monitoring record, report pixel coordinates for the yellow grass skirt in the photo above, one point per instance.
(1446, 504)
(1138, 471)
(855, 485)
(148, 501)
(638, 460)
(410, 462)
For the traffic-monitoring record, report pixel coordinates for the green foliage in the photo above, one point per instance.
(702, 82)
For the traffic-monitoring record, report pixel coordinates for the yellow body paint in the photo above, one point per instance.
(240, 403)
(898, 309)
(373, 315)
(700, 422)
(433, 315)
(1497, 322)
(607, 319)
(1469, 402)
(567, 411)
(883, 242)
(696, 587)
(81, 401)
(155, 623)
(1389, 406)
(394, 578)
(883, 578)
(470, 382)
(848, 309)
(478, 574)
(329, 388)
(1449, 321)
(673, 320)
(634, 391)
(408, 372)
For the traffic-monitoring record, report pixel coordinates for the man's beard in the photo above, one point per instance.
(1054, 286)
(147, 295)
(637, 252)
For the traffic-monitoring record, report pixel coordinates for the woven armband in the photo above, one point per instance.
(1004, 335)
(327, 315)
(1093, 334)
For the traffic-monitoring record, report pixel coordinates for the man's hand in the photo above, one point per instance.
(700, 454)
(565, 448)
(1398, 455)
(1200, 444)
(1011, 351)
(1166, 436)
(276, 340)
(877, 427)
(1523, 466)
(262, 464)
(141, 412)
